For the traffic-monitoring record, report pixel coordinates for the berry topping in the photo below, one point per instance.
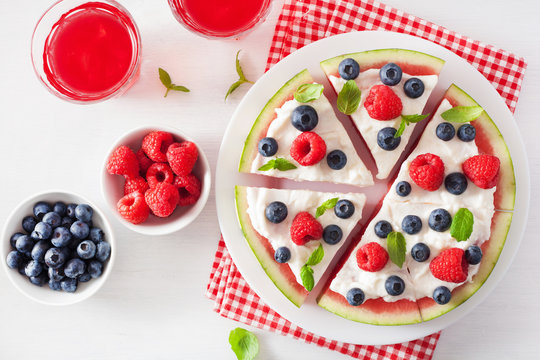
(450, 265)
(332, 234)
(403, 188)
(440, 220)
(162, 199)
(420, 252)
(427, 171)
(133, 184)
(394, 285)
(305, 228)
(156, 144)
(304, 118)
(133, 208)
(355, 297)
(371, 257)
(282, 254)
(41, 208)
(308, 148)
(390, 74)
(144, 162)
(276, 212)
(348, 69)
(383, 228)
(411, 224)
(473, 255)
(159, 173)
(442, 295)
(268, 146)
(455, 183)
(336, 159)
(123, 161)
(445, 131)
(482, 170)
(466, 133)
(386, 139)
(344, 209)
(182, 157)
(189, 189)
(414, 88)
(382, 103)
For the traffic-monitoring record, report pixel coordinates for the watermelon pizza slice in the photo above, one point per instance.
(384, 91)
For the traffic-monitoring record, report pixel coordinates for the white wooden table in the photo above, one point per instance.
(153, 306)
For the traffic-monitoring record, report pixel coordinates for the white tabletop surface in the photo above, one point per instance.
(153, 305)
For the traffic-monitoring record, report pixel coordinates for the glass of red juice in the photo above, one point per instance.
(85, 51)
(220, 18)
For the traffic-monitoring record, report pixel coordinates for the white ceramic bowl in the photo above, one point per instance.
(112, 186)
(44, 294)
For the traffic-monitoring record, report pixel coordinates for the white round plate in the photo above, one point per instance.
(310, 316)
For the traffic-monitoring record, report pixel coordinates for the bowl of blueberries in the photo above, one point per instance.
(58, 248)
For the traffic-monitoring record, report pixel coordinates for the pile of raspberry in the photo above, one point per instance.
(158, 176)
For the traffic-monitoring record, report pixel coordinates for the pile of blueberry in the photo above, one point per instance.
(59, 246)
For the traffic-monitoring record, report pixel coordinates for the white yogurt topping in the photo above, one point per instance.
(369, 127)
(298, 201)
(331, 131)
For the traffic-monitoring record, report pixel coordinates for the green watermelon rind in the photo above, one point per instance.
(275, 271)
(267, 115)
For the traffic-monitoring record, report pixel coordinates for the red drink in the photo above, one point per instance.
(219, 18)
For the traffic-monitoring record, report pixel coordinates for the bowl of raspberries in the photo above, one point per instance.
(156, 180)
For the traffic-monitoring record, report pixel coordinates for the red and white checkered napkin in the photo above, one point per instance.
(300, 23)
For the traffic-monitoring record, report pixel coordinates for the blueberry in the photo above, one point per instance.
(39, 280)
(35, 236)
(394, 285)
(455, 183)
(445, 131)
(54, 258)
(348, 69)
(29, 223)
(55, 285)
(344, 209)
(383, 228)
(72, 245)
(14, 259)
(41, 208)
(442, 295)
(13, 239)
(420, 252)
(79, 230)
(336, 159)
(97, 235)
(24, 244)
(103, 251)
(52, 219)
(84, 212)
(56, 274)
(86, 249)
(473, 255)
(95, 268)
(332, 234)
(304, 118)
(268, 146)
(386, 139)
(74, 268)
(67, 222)
(22, 267)
(276, 212)
(282, 254)
(390, 74)
(86, 277)
(440, 220)
(60, 208)
(43, 231)
(70, 210)
(39, 250)
(61, 237)
(33, 268)
(414, 88)
(403, 188)
(355, 297)
(68, 285)
(411, 224)
(466, 133)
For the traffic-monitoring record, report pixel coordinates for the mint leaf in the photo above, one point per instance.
(396, 246)
(244, 344)
(462, 225)
(165, 79)
(327, 205)
(316, 256)
(349, 98)
(179, 88)
(242, 78)
(308, 92)
(462, 114)
(279, 164)
(401, 129)
(268, 166)
(306, 274)
(407, 120)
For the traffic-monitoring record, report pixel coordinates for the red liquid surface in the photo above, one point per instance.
(90, 50)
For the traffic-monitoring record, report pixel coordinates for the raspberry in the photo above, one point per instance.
(144, 162)
(155, 145)
(133, 184)
(382, 103)
(162, 199)
(159, 173)
(450, 265)
(427, 171)
(305, 228)
(189, 189)
(308, 148)
(482, 170)
(182, 157)
(371, 257)
(123, 161)
(133, 208)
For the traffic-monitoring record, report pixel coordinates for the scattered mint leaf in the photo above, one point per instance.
(279, 164)
(165, 79)
(401, 129)
(316, 256)
(462, 114)
(306, 274)
(462, 225)
(242, 78)
(349, 98)
(327, 205)
(395, 243)
(308, 92)
(407, 120)
(244, 344)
